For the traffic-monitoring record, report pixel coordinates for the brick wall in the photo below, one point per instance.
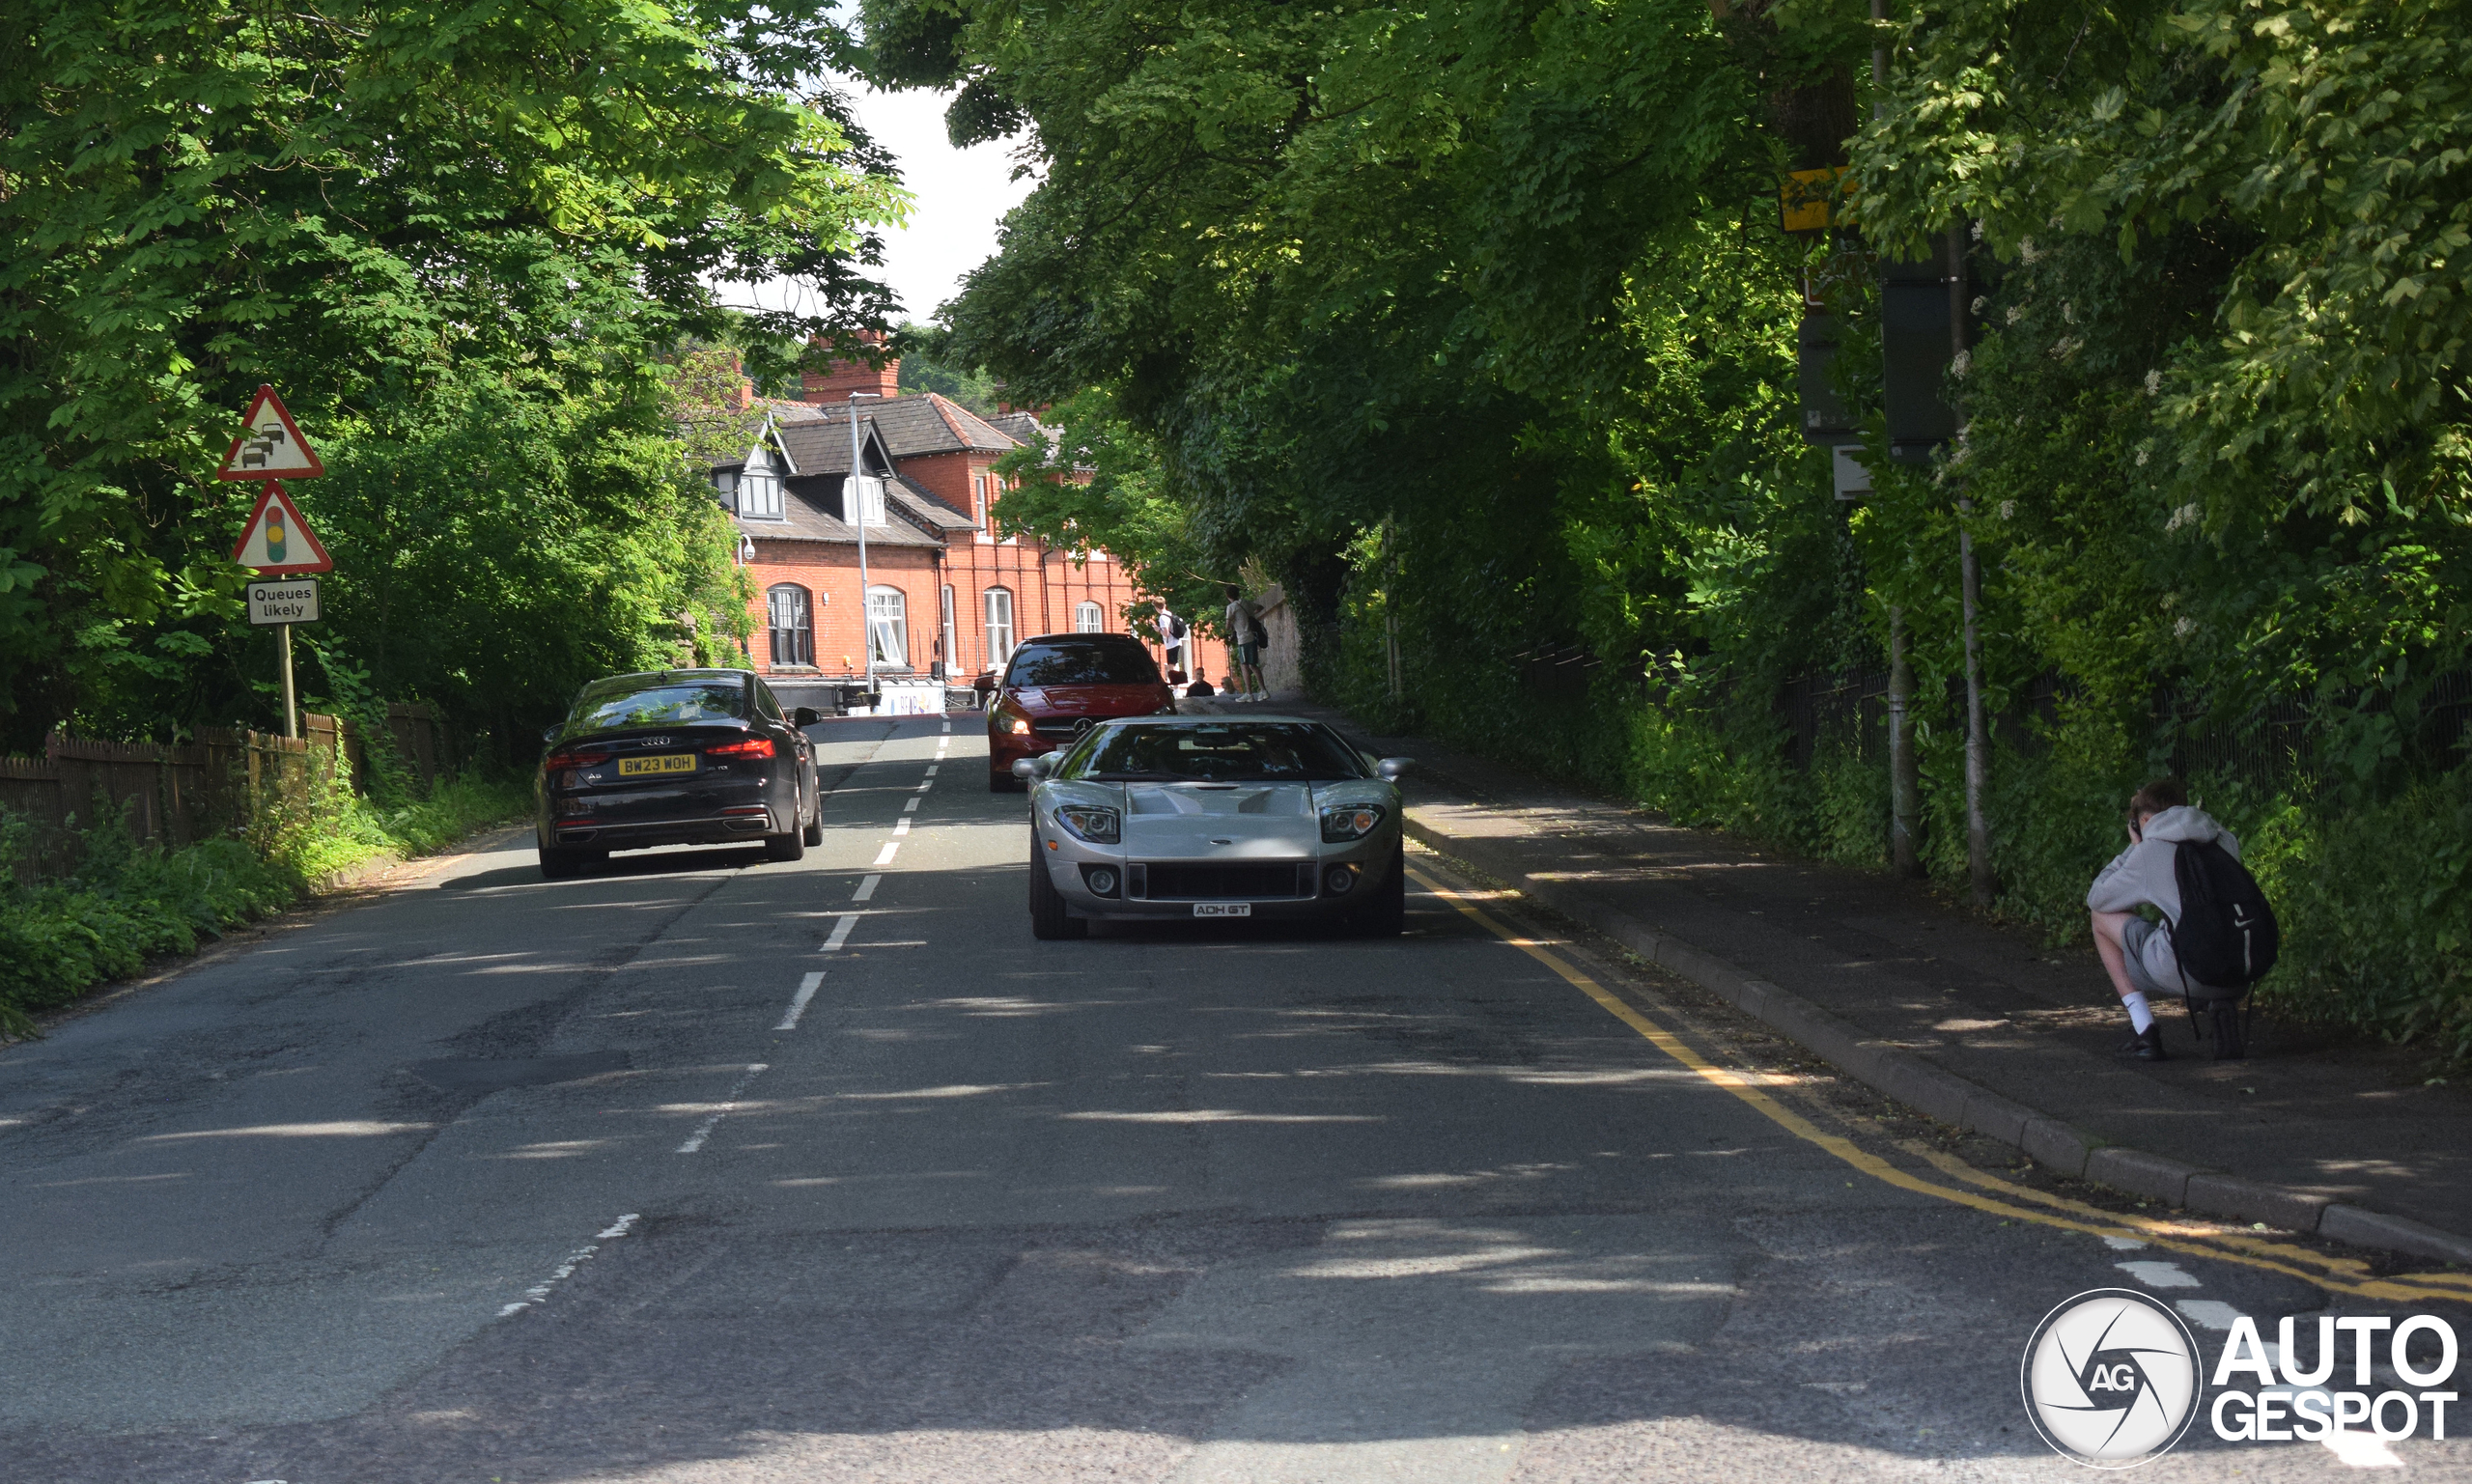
(829, 574)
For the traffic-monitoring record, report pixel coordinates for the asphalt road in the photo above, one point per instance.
(705, 1168)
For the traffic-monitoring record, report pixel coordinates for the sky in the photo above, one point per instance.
(959, 194)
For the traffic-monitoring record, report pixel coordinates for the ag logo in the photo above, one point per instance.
(2111, 1379)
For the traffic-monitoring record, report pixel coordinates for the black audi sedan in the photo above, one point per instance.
(676, 757)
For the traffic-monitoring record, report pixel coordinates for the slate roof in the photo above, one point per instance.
(912, 426)
(806, 502)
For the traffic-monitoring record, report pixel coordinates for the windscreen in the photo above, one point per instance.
(1082, 664)
(671, 705)
(1230, 752)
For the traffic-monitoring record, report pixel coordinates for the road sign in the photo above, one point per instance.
(284, 602)
(272, 446)
(277, 542)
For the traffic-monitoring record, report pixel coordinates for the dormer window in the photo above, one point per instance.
(864, 500)
(759, 486)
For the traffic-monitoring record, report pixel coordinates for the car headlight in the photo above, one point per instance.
(1350, 822)
(1099, 826)
(1018, 725)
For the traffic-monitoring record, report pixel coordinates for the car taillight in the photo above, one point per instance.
(752, 748)
(574, 759)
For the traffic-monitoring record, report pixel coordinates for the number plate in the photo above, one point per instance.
(1223, 909)
(666, 762)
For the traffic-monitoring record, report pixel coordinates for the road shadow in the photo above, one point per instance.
(669, 862)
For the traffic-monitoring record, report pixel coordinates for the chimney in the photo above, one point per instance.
(835, 384)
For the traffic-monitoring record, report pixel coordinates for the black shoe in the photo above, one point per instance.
(2147, 1044)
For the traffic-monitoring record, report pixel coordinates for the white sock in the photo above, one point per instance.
(2140, 1014)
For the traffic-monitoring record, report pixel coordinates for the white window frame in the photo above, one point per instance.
(1088, 617)
(953, 655)
(1000, 626)
(981, 508)
(868, 508)
(889, 626)
(759, 488)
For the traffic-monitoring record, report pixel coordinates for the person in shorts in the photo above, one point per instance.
(1245, 636)
(2138, 953)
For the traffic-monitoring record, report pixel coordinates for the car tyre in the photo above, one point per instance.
(790, 845)
(813, 835)
(1006, 783)
(558, 863)
(1387, 914)
(1050, 922)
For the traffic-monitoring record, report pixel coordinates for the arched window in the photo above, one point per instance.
(889, 626)
(759, 486)
(1000, 626)
(793, 625)
(1087, 618)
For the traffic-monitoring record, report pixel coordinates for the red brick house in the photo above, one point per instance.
(944, 598)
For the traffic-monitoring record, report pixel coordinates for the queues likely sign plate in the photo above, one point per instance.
(284, 602)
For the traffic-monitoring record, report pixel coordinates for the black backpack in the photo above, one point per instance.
(2226, 937)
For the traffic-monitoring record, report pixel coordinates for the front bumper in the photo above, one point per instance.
(1139, 897)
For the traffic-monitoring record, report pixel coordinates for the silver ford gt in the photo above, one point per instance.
(1184, 817)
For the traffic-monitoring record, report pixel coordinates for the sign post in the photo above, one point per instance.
(276, 540)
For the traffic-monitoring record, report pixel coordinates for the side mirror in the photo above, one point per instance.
(805, 716)
(1389, 769)
(1027, 769)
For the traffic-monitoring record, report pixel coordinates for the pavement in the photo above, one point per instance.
(1975, 1022)
(708, 1168)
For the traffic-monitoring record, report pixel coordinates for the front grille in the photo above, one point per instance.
(1193, 881)
(1064, 726)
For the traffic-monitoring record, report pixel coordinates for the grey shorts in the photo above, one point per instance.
(2151, 966)
(1248, 654)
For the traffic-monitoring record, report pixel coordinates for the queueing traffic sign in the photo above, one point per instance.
(271, 446)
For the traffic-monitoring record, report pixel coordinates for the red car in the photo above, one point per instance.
(1059, 685)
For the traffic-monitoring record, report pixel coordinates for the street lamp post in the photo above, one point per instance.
(857, 504)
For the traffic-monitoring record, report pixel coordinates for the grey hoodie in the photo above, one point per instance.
(2145, 872)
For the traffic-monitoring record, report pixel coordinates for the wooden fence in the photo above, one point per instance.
(214, 784)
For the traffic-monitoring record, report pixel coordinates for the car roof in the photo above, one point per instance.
(1084, 637)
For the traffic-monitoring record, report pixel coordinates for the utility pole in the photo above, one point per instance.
(1905, 776)
(855, 503)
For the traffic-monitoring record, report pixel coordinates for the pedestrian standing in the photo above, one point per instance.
(1172, 638)
(1245, 640)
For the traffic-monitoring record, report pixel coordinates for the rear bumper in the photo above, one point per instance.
(639, 834)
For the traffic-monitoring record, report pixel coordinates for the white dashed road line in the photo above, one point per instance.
(575, 1259)
(798, 1002)
(884, 857)
(729, 1104)
(866, 889)
(840, 933)
(2157, 1275)
(901, 827)
(910, 806)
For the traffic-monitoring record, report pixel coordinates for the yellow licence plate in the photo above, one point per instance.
(666, 762)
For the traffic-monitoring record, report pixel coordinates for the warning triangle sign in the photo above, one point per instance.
(277, 542)
(271, 447)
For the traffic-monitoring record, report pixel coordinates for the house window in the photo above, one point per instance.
(759, 486)
(999, 626)
(1087, 617)
(978, 510)
(793, 625)
(864, 500)
(889, 626)
(952, 656)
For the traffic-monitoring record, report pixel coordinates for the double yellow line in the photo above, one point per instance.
(2007, 1200)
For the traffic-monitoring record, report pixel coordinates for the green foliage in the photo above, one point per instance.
(463, 240)
(127, 903)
